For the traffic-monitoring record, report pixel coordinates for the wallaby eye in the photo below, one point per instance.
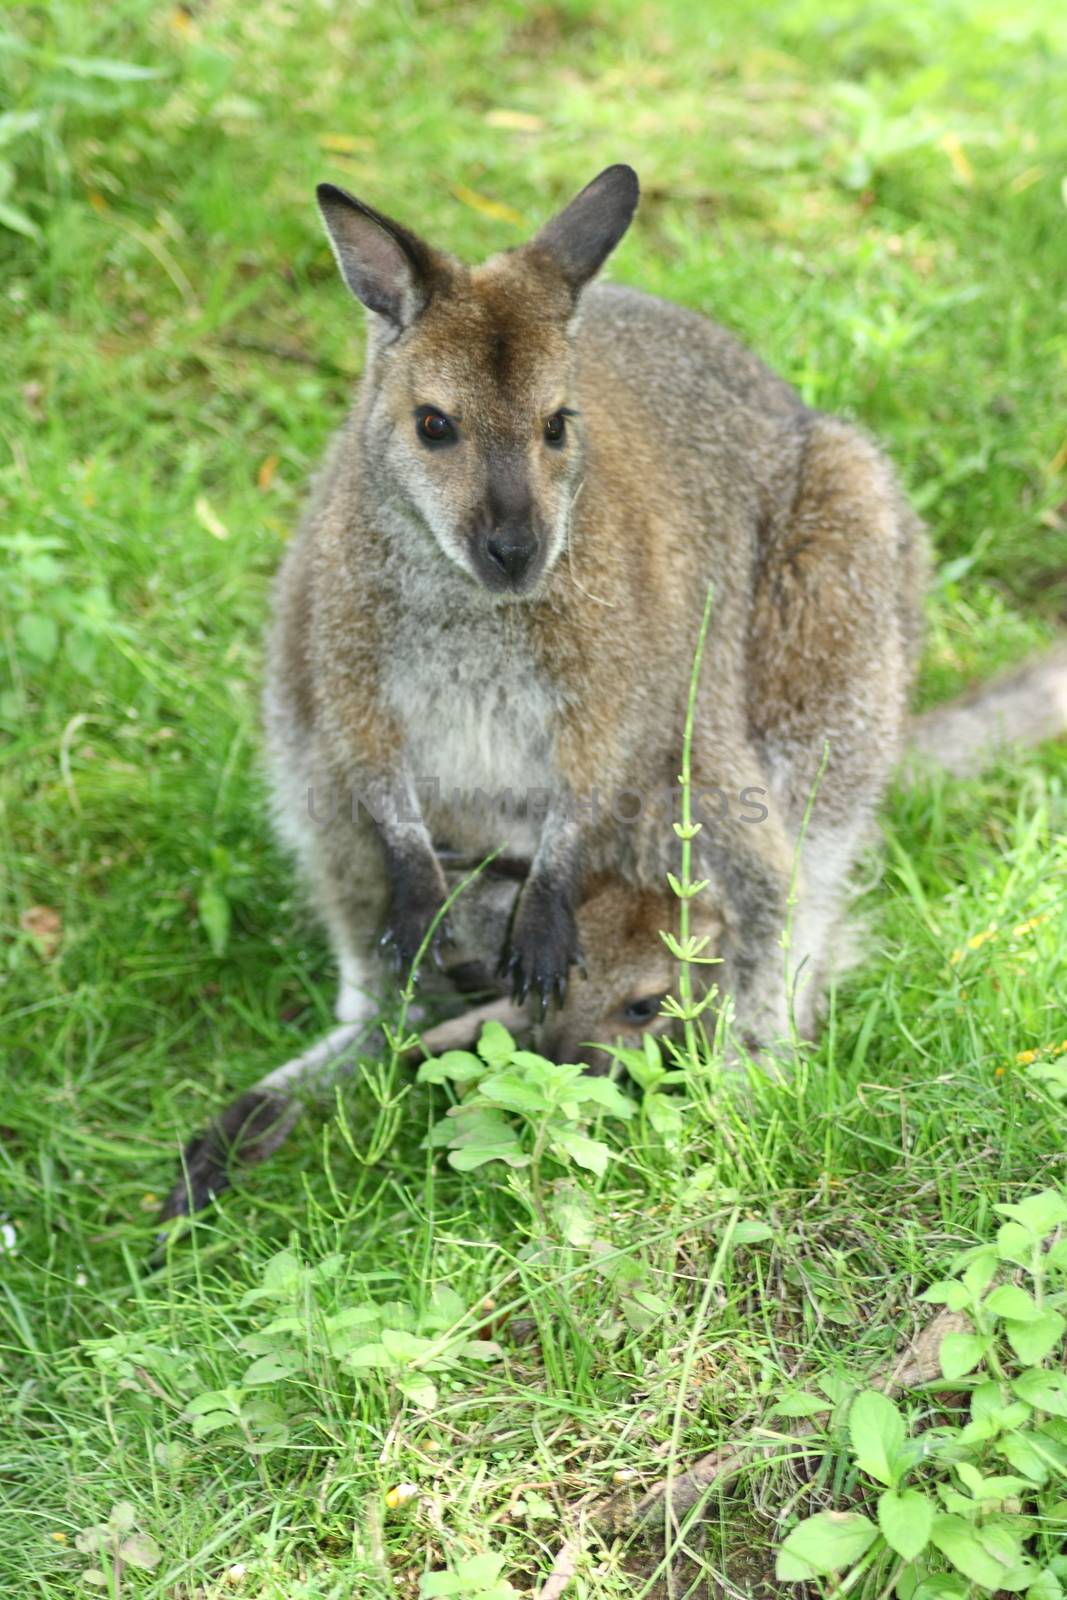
(434, 427)
(645, 1009)
(556, 428)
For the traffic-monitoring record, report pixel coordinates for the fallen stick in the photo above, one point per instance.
(259, 1121)
(617, 1512)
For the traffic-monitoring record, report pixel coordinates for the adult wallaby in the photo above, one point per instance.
(629, 968)
(498, 586)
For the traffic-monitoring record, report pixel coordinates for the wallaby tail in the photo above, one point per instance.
(1019, 709)
(259, 1121)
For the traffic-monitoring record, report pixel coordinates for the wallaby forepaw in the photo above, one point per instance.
(407, 929)
(541, 950)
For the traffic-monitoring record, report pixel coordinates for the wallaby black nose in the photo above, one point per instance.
(511, 554)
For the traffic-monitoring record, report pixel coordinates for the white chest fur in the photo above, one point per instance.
(478, 716)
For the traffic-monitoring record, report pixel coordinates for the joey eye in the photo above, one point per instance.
(434, 427)
(556, 428)
(645, 1009)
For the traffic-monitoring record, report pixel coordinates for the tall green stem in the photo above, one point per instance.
(687, 831)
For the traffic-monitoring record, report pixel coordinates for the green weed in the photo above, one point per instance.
(872, 198)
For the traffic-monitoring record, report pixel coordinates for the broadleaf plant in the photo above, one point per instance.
(977, 1506)
(499, 1083)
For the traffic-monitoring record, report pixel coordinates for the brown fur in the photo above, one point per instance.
(395, 641)
(628, 966)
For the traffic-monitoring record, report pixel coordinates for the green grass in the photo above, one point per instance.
(873, 196)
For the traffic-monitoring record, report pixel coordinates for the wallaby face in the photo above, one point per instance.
(471, 421)
(472, 424)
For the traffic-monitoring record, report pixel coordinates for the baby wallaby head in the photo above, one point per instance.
(629, 970)
(470, 421)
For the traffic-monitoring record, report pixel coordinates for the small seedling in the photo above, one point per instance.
(662, 1114)
(115, 1544)
(476, 1578)
(407, 1350)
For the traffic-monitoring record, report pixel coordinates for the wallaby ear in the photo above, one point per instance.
(383, 264)
(580, 238)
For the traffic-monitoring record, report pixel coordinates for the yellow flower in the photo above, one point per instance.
(975, 942)
(1024, 1058)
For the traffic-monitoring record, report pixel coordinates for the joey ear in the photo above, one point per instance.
(580, 238)
(387, 267)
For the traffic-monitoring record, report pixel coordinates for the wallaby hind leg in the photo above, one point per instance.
(833, 647)
(341, 863)
(350, 895)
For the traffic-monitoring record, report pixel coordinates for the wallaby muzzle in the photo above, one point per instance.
(507, 547)
(509, 559)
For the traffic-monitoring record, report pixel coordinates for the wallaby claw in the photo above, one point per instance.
(537, 965)
(512, 970)
(403, 937)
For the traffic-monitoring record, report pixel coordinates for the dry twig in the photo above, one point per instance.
(917, 1364)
